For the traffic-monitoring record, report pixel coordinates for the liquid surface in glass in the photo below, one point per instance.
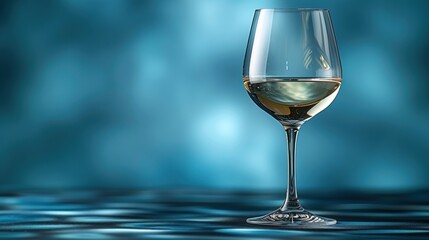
(292, 100)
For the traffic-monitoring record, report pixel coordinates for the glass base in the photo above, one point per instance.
(292, 218)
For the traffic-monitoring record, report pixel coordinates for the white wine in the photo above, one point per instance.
(290, 100)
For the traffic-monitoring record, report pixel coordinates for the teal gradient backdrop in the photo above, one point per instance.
(149, 94)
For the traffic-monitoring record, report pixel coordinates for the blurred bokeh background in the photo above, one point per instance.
(148, 94)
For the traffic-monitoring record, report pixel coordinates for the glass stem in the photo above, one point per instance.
(291, 202)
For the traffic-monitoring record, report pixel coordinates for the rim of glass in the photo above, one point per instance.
(291, 9)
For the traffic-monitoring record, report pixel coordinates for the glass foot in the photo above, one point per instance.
(292, 218)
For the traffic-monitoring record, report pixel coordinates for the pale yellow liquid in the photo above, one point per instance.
(292, 101)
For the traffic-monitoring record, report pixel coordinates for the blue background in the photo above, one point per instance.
(148, 94)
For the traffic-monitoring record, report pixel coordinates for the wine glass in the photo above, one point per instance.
(292, 71)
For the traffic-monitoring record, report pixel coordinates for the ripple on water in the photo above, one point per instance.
(56, 206)
(95, 212)
(119, 230)
(10, 218)
(13, 235)
(168, 226)
(263, 232)
(29, 227)
(83, 235)
(97, 219)
(391, 232)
